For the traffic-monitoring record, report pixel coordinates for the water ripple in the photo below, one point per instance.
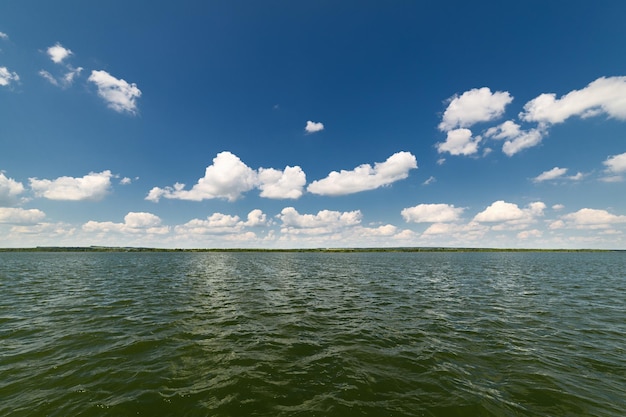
(312, 334)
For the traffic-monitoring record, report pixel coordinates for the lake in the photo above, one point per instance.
(313, 334)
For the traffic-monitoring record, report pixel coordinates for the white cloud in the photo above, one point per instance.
(526, 139)
(527, 234)
(256, 218)
(616, 164)
(516, 138)
(119, 95)
(432, 213)
(506, 130)
(312, 127)
(606, 95)
(7, 77)
(461, 232)
(286, 184)
(9, 190)
(219, 223)
(612, 178)
(228, 178)
(441, 161)
(4, 36)
(93, 186)
(126, 181)
(429, 180)
(587, 218)
(579, 176)
(552, 174)
(134, 223)
(558, 207)
(365, 177)
(324, 222)
(20, 215)
(510, 214)
(459, 142)
(141, 220)
(58, 53)
(65, 80)
(473, 106)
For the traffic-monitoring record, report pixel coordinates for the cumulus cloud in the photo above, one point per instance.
(218, 223)
(288, 183)
(509, 214)
(7, 77)
(606, 95)
(58, 53)
(324, 222)
(134, 223)
(9, 190)
(527, 234)
(20, 216)
(587, 218)
(93, 186)
(473, 106)
(432, 213)
(365, 177)
(552, 174)
(117, 93)
(312, 127)
(4, 36)
(228, 178)
(616, 164)
(459, 142)
(516, 138)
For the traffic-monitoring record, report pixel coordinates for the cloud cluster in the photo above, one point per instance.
(604, 96)
(134, 223)
(218, 224)
(16, 215)
(229, 178)
(324, 222)
(58, 54)
(471, 107)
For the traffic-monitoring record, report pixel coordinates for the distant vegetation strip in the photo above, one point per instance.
(341, 250)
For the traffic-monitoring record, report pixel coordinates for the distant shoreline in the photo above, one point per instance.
(328, 250)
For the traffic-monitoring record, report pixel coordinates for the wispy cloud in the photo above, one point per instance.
(7, 77)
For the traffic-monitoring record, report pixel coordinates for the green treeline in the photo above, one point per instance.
(334, 250)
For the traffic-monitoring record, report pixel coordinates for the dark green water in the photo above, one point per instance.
(312, 334)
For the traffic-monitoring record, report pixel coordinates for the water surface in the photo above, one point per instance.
(312, 334)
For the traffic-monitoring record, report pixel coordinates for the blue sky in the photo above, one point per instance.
(313, 124)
